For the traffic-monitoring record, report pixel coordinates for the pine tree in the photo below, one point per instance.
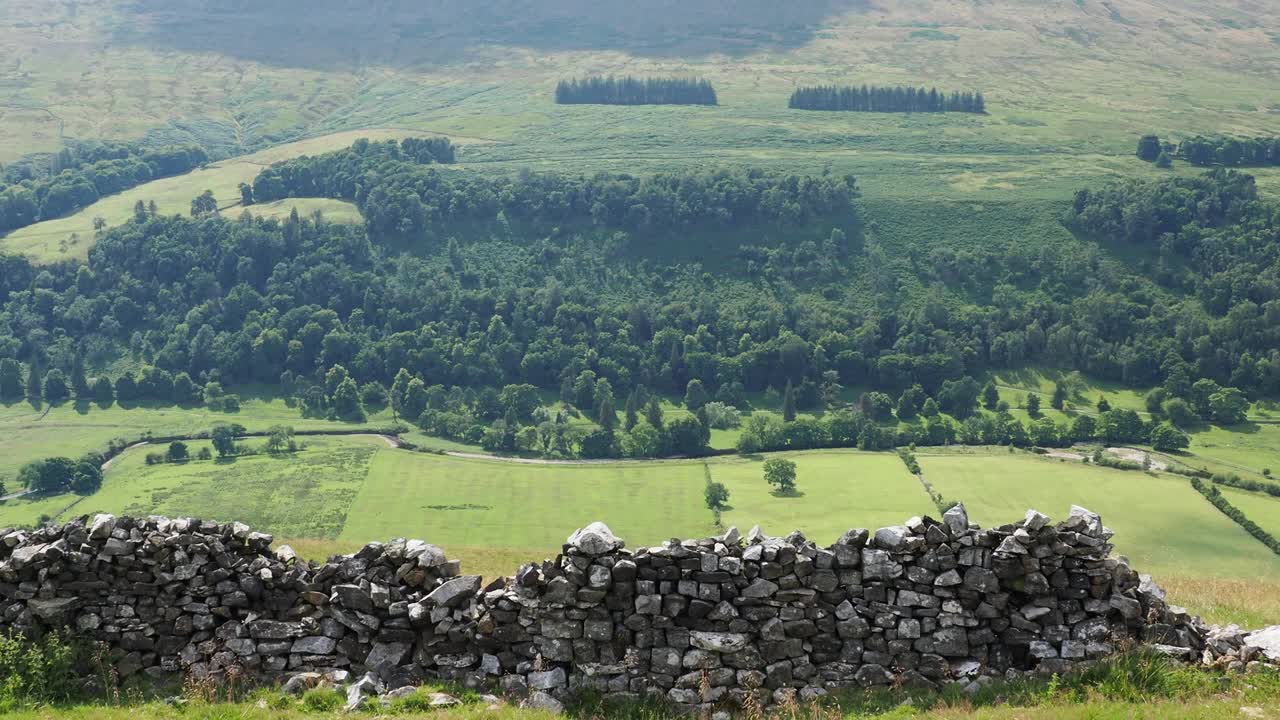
(79, 383)
(1059, 399)
(632, 411)
(653, 413)
(33, 379)
(990, 396)
(606, 415)
(789, 403)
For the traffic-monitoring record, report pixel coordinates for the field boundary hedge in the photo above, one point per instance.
(1214, 495)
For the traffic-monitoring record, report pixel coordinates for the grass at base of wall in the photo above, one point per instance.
(1137, 685)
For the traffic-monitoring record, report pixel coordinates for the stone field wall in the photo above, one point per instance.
(700, 622)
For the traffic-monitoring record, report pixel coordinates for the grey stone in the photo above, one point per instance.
(454, 591)
(718, 642)
(595, 539)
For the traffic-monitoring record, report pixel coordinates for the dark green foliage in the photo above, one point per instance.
(1149, 148)
(224, 439)
(686, 436)
(1033, 405)
(789, 403)
(628, 90)
(38, 672)
(885, 99)
(88, 178)
(1167, 438)
(990, 396)
(695, 396)
(103, 391)
(1235, 481)
(781, 474)
(1230, 152)
(399, 196)
(55, 386)
(1213, 495)
(10, 378)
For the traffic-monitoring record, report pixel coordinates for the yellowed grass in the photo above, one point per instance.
(487, 562)
(1250, 603)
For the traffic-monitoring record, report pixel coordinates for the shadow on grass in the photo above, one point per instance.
(790, 494)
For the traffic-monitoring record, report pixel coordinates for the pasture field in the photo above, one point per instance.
(1247, 449)
(835, 491)
(305, 494)
(1261, 508)
(1161, 523)
(71, 429)
(453, 501)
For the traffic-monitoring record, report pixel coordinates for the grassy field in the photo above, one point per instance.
(452, 501)
(72, 429)
(836, 490)
(1261, 508)
(1161, 523)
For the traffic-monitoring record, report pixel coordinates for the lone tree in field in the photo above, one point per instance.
(717, 496)
(781, 474)
(1103, 405)
(1033, 405)
(178, 452)
(1149, 148)
(224, 439)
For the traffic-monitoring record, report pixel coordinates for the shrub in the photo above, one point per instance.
(722, 416)
(36, 671)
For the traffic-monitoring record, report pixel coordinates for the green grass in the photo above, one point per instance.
(1161, 523)
(304, 494)
(452, 501)
(835, 491)
(1246, 449)
(71, 429)
(1261, 508)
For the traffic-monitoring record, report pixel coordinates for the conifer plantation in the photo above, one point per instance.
(629, 90)
(885, 99)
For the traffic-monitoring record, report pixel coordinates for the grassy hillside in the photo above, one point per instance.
(1070, 86)
(71, 237)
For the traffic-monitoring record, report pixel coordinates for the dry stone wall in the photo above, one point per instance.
(700, 622)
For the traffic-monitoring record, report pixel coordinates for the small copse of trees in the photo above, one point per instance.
(598, 90)
(872, 98)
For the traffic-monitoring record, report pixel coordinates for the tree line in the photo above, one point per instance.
(204, 305)
(400, 195)
(873, 98)
(1214, 150)
(627, 90)
(84, 178)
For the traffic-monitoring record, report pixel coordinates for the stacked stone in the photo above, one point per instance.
(727, 620)
(157, 591)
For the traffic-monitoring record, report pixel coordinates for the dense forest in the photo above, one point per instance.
(71, 180)
(338, 318)
(635, 91)
(885, 99)
(1218, 150)
(399, 193)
